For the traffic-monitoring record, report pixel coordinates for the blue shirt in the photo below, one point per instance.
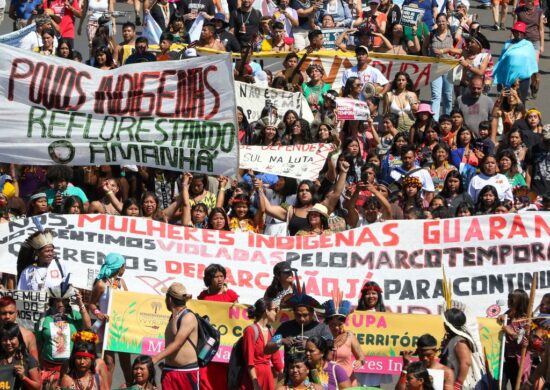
(427, 6)
(23, 9)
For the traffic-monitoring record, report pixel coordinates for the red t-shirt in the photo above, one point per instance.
(66, 26)
(228, 296)
(214, 375)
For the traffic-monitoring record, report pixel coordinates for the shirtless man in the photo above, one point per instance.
(8, 313)
(427, 353)
(128, 38)
(181, 369)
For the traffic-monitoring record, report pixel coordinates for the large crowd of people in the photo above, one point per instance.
(463, 153)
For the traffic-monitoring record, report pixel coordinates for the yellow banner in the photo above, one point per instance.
(137, 324)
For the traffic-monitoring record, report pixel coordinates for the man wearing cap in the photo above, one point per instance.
(517, 61)
(365, 72)
(181, 369)
(538, 165)
(33, 40)
(476, 106)
(37, 266)
(228, 40)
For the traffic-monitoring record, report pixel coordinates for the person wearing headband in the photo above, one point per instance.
(108, 279)
(426, 350)
(86, 370)
(38, 204)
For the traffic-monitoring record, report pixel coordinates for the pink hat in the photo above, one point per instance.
(425, 107)
(519, 27)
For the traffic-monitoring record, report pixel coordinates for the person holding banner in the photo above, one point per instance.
(54, 331)
(13, 353)
(109, 278)
(365, 72)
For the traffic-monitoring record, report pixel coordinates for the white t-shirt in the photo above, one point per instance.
(36, 278)
(369, 75)
(32, 41)
(422, 174)
(499, 181)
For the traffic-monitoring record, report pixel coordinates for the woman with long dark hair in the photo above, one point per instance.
(453, 191)
(441, 165)
(298, 374)
(104, 58)
(143, 373)
(218, 220)
(306, 197)
(487, 201)
(508, 166)
(398, 100)
(418, 377)
(324, 371)
(393, 157)
(259, 374)
(85, 368)
(13, 352)
(282, 282)
(245, 130)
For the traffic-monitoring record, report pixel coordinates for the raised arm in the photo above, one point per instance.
(186, 215)
(333, 196)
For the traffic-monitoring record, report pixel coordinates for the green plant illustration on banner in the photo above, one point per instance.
(117, 338)
(493, 352)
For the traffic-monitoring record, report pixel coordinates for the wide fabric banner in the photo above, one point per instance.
(485, 257)
(254, 98)
(137, 324)
(298, 161)
(422, 70)
(31, 305)
(177, 115)
(14, 38)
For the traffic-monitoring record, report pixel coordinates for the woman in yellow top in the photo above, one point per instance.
(241, 218)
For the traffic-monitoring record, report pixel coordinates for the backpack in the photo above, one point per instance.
(237, 364)
(208, 340)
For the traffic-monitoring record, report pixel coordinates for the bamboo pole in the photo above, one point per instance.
(528, 332)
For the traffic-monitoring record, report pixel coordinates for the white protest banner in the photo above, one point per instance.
(330, 35)
(299, 161)
(31, 305)
(351, 109)
(151, 29)
(177, 115)
(410, 14)
(422, 70)
(485, 257)
(196, 28)
(14, 38)
(253, 98)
